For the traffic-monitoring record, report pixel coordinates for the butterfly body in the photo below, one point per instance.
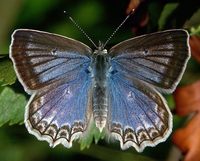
(118, 89)
(100, 68)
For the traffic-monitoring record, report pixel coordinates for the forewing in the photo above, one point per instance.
(138, 114)
(60, 114)
(158, 59)
(41, 58)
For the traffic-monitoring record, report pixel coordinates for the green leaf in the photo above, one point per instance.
(35, 10)
(7, 73)
(11, 107)
(154, 10)
(195, 31)
(8, 14)
(93, 132)
(194, 21)
(86, 10)
(167, 10)
(108, 154)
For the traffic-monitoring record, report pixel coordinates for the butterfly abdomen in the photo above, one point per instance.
(100, 93)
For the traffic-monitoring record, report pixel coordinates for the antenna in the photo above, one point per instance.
(84, 33)
(132, 11)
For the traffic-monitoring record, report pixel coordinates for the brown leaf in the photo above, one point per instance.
(188, 138)
(195, 47)
(143, 19)
(133, 4)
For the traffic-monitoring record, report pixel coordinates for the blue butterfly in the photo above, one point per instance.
(72, 86)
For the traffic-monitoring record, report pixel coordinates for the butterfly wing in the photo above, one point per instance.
(158, 59)
(42, 58)
(138, 114)
(60, 114)
(54, 69)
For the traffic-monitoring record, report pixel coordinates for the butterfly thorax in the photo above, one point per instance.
(100, 67)
(100, 49)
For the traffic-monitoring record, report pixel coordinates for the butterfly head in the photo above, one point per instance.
(100, 49)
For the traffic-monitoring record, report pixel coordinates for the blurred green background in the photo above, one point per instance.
(99, 18)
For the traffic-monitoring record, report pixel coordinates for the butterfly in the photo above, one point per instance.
(119, 90)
